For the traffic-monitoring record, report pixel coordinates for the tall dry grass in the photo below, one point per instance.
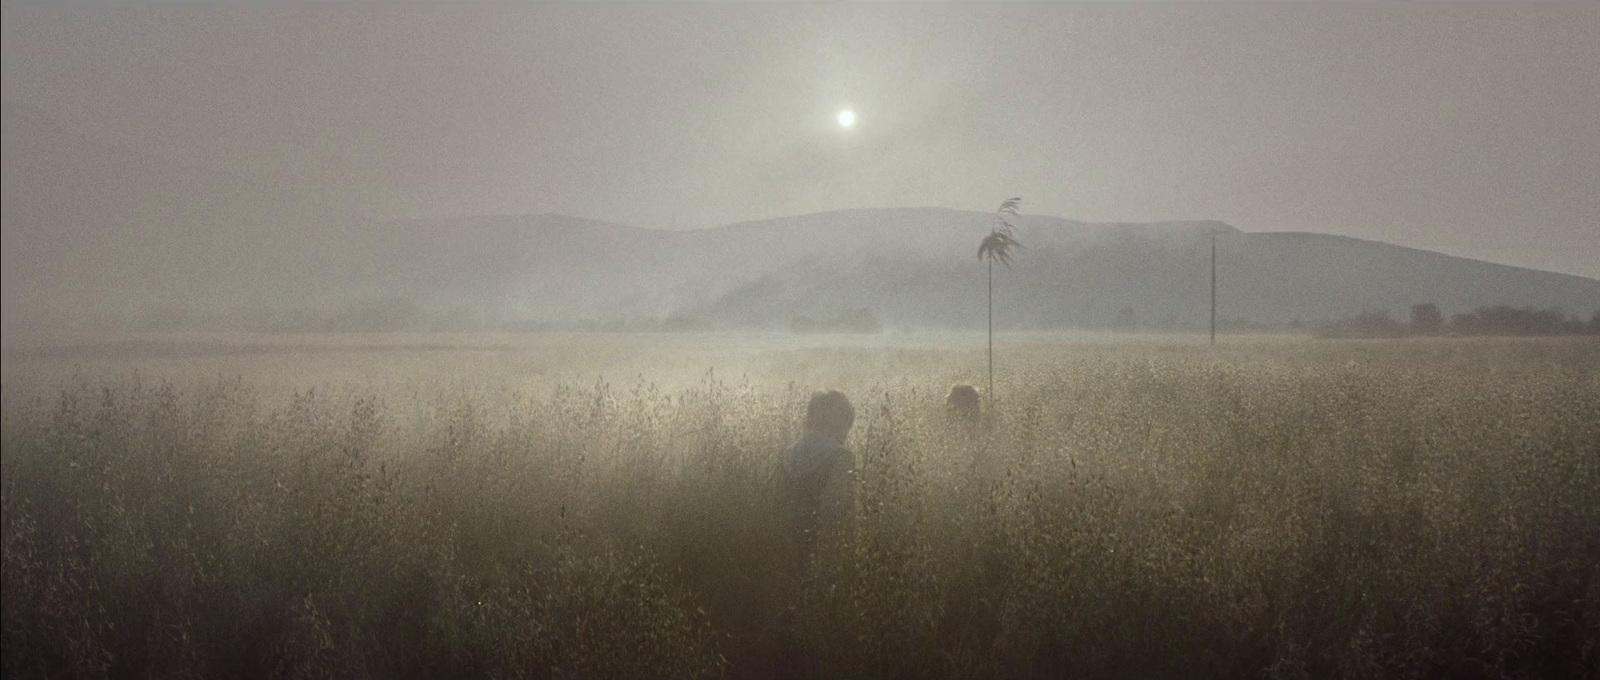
(1358, 510)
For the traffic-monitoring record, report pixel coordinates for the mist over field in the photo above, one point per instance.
(1131, 340)
(103, 240)
(606, 505)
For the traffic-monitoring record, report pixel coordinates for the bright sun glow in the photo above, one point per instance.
(847, 118)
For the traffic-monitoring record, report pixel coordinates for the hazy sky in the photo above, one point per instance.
(1470, 129)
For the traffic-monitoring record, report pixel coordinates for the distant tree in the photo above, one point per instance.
(997, 247)
(1508, 320)
(1426, 319)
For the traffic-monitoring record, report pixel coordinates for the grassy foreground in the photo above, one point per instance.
(1369, 510)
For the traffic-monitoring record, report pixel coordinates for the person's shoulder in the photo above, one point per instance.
(812, 441)
(815, 448)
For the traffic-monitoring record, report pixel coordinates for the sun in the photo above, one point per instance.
(847, 118)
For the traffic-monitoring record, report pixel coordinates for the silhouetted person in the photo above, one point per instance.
(964, 405)
(817, 498)
(817, 492)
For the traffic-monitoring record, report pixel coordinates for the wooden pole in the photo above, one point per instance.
(1213, 285)
(991, 330)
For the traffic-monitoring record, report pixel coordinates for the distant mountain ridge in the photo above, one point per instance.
(96, 233)
(917, 268)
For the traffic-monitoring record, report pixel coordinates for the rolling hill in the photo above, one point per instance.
(97, 235)
(916, 268)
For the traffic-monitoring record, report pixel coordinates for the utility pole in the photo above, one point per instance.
(990, 395)
(1213, 284)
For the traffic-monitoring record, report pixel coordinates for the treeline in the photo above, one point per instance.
(1427, 320)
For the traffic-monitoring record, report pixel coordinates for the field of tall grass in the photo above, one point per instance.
(1278, 509)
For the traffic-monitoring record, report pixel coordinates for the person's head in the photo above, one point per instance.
(964, 402)
(830, 413)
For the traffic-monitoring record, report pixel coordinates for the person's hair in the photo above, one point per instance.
(964, 401)
(830, 412)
